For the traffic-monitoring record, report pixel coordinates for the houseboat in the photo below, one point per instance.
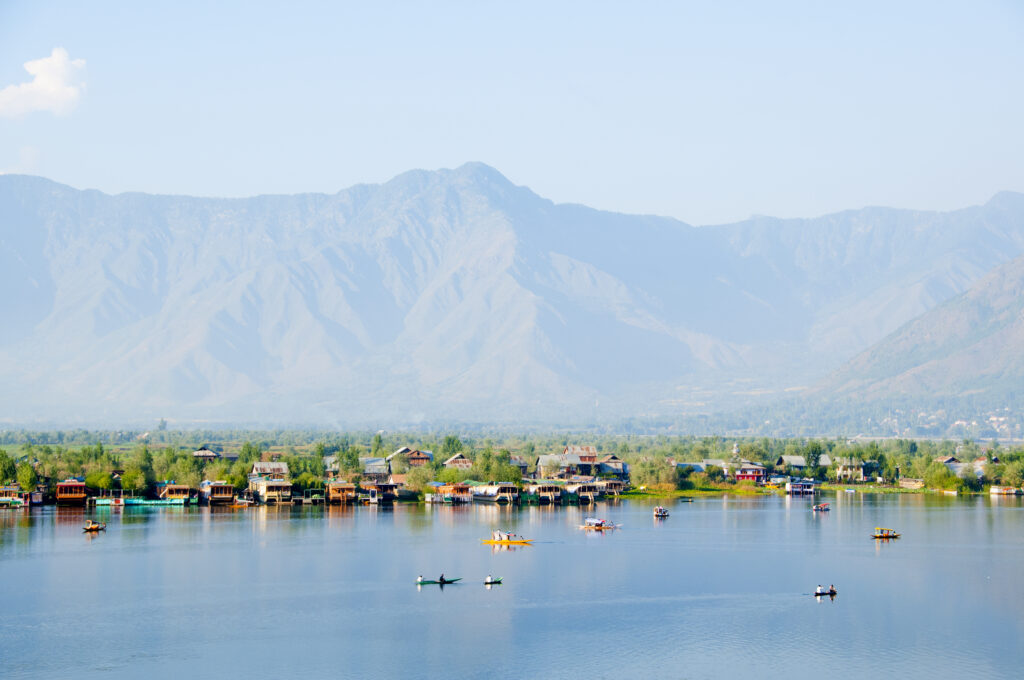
(271, 491)
(173, 494)
(10, 497)
(1004, 491)
(586, 492)
(216, 493)
(612, 487)
(800, 487)
(380, 493)
(341, 492)
(542, 493)
(496, 492)
(71, 492)
(457, 494)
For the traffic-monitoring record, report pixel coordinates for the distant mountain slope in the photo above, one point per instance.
(972, 345)
(450, 294)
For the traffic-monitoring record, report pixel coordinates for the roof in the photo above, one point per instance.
(269, 468)
(793, 461)
(517, 460)
(717, 462)
(457, 456)
(374, 464)
(610, 458)
(577, 450)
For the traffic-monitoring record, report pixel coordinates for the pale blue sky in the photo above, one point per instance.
(705, 111)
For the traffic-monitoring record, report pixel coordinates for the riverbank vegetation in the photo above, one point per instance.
(138, 460)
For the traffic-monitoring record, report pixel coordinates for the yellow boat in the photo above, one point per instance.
(884, 533)
(519, 541)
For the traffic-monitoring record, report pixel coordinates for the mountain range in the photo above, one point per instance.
(457, 296)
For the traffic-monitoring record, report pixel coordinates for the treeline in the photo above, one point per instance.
(141, 464)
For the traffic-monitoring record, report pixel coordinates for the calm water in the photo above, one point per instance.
(720, 588)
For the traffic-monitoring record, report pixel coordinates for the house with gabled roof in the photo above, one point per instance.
(459, 462)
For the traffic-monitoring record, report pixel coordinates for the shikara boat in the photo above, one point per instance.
(445, 582)
(829, 593)
(506, 538)
(93, 527)
(821, 507)
(594, 524)
(885, 534)
(660, 512)
(493, 582)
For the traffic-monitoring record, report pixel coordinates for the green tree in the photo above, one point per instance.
(99, 480)
(8, 471)
(133, 479)
(1013, 473)
(452, 445)
(27, 477)
(249, 454)
(378, 446)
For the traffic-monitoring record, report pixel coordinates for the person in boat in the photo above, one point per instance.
(819, 590)
(831, 589)
(419, 579)
(489, 579)
(441, 580)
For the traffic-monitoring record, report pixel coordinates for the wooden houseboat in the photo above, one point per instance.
(71, 492)
(496, 492)
(452, 494)
(341, 492)
(800, 487)
(10, 497)
(1004, 491)
(586, 492)
(542, 493)
(271, 491)
(216, 493)
(174, 494)
(612, 487)
(380, 493)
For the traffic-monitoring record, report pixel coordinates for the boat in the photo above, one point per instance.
(685, 500)
(496, 492)
(71, 492)
(445, 582)
(660, 512)
(217, 492)
(10, 497)
(92, 527)
(506, 538)
(594, 524)
(821, 507)
(831, 593)
(493, 582)
(1004, 491)
(884, 533)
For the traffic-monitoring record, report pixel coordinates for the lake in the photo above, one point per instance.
(719, 589)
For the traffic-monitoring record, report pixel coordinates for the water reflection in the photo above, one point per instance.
(203, 587)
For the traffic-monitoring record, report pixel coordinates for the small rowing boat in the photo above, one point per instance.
(830, 593)
(660, 512)
(493, 582)
(594, 524)
(445, 582)
(506, 538)
(93, 527)
(821, 507)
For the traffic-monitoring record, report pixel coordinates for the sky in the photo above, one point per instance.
(709, 112)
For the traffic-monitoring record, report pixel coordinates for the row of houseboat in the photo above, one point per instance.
(533, 492)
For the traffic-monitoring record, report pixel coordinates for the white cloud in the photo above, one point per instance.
(58, 82)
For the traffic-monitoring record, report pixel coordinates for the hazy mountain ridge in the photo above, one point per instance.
(970, 345)
(451, 293)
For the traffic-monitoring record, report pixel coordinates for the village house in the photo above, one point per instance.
(850, 470)
(375, 469)
(612, 466)
(269, 470)
(420, 458)
(204, 454)
(800, 462)
(519, 463)
(459, 462)
(750, 472)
